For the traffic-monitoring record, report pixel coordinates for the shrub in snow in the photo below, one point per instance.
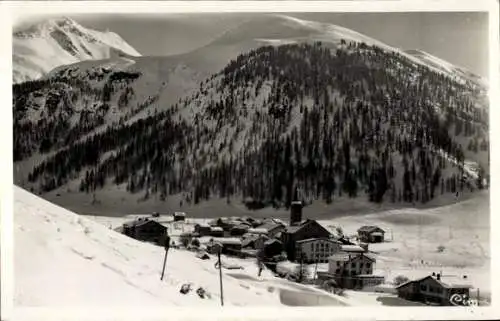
(440, 248)
(201, 292)
(339, 291)
(87, 230)
(400, 279)
(185, 239)
(185, 288)
(195, 243)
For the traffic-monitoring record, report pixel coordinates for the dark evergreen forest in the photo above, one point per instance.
(354, 121)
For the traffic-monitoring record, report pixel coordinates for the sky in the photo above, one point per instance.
(460, 38)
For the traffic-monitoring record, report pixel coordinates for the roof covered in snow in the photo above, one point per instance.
(370, 229)
(352, 248)
(449, 282)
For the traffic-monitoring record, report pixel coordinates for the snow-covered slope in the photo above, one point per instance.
(278, 29)
(39, 48)
(445, 67)
(62, 259)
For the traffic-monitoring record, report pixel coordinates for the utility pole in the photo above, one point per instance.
(218, 249)
(167, 246)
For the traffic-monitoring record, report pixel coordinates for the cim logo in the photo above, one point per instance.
(462, 300)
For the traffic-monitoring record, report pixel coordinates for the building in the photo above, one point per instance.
(272, 247)
(226, 223)
(254, 241)
(434, 289)
(231, 246)
(271, 228)
(202, 229)
(179, 216)
(353, 270)
(371, 234)
(216, 231)
(305, 230)
(316, 250)
(144, 229)
(238, 230)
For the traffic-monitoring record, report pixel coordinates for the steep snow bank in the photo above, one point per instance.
(66, 260)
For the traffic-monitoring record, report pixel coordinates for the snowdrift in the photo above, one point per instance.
(62, 259)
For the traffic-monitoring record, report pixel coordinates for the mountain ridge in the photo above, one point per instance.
(40, 47)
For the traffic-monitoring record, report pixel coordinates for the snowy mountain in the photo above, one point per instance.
(57, 250)
(265, 109)
(282, 29)
(39, 48)
(445, 67)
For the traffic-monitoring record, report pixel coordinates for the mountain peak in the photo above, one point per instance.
(61, 41)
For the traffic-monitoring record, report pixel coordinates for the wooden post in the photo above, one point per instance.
(478, 298)
(164, 264)
(220, 279)
(218, 248)
(167, 246)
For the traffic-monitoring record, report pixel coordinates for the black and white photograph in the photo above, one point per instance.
(251, 159)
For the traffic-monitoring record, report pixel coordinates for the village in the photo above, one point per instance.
(301, 251)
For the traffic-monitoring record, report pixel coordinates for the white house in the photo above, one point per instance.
(353, 270)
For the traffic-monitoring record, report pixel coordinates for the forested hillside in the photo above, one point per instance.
(344, 121)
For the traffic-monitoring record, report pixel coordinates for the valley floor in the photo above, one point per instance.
(413, 236)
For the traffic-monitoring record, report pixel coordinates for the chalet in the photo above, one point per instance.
(216, 231)
(239, 230)
(229, 245)
(434, 289)
(179, 216)
(305, 230)
(371, 234)
(272, 247)
(316, 250)
(271, 228)
(202, 229)
(144, 229)
(353, 270)
(226, 223)
(254, 241)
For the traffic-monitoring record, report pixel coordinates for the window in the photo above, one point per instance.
(423, 287)
(368, 265)
(338, 263)
(361, 265)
